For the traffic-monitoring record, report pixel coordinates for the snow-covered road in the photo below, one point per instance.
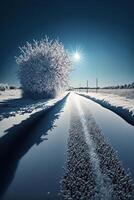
(93, 168)
(69, 153)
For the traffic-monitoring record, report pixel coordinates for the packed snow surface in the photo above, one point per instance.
(93, 170)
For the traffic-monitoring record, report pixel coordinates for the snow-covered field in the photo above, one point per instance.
(121, 102)
(10, 94)
(128, 93)
(14, 109)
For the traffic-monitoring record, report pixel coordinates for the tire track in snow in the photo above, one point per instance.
(110, 165)
(103, 183)
(78, 181)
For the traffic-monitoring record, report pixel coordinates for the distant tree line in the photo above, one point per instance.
(125, 86)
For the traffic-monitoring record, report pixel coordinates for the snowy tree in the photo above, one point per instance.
(44, 68)
(4, 87)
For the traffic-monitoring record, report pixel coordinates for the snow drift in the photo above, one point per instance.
(122, 106)
(44, 68)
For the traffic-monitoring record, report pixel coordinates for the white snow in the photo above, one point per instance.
(103, 188)
(113, 99)
(128, 93)
(10, 94)
(92, 169)
(12, 115)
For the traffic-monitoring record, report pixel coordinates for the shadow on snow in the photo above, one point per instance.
(20, 138)
(9, 106)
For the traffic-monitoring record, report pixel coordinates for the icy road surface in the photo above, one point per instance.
(66, 148)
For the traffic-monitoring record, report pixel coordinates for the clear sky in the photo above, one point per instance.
(101, 30)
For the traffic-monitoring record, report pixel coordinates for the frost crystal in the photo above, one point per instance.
(44, 68)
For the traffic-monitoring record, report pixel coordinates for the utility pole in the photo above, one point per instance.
(79, 87)
(96, 84)
(87, 86)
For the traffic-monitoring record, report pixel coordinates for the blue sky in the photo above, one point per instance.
(105, 57)
(103, 31)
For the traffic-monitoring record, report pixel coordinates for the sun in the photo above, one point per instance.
(76, 56)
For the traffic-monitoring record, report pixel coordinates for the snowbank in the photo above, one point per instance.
(10, 94)
(128, 93)
(28, 113)
(119, 104)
